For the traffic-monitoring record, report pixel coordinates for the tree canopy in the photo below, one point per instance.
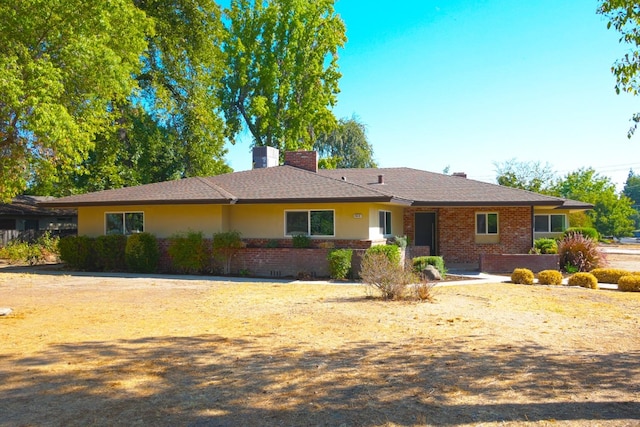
(65, 65)
(531, 176)
(281, 70)
(345, 147)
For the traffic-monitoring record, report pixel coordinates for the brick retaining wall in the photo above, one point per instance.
(506, 263)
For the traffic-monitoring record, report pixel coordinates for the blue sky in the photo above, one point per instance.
(465, 84)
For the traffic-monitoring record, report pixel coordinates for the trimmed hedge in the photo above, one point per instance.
(545, 246)
(109, 251)
(610, 275)
(189, 253)
(392, 252)
(142, 253)
(421, 262)
(550, 277)
(339, 263)
(629, 283)
(77, 252)
(522, 276)
(589, 232)
(585, 280)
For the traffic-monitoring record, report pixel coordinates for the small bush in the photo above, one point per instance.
(421, 262)
(545, 246)
(142, 253)
(225, 245)
(17, 252)
(386, 276)
(629, 283)
(580, 252)
(189, 253)
(77, 252)
(522, 276)
(301, 241)
(109, 252)
(392, 252)
(609, 275)
(401, 241)
(550, 277)
(423, 291)
(340, 263)
(585, 280)
(589, 232)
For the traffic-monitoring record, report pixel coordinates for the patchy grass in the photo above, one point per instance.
(105, 351)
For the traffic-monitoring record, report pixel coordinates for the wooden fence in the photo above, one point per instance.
(31, 235)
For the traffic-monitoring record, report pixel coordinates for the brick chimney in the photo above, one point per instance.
(307, 160)
(459, 174)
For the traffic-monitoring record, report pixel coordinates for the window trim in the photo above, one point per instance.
(486, 223)
(309, 211)
(388, 220)
(549, 223)
(124, 228)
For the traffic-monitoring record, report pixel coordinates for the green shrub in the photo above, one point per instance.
(610, 275)
(629, 283)
(580, 252)
(385, 275)
(401, 241)
(550, 277)
(339, 263)
(392, 252)
(109, 251)
(17, 252)
(142, 253)
(301, 241)
(421, 262)
(77, 252)
(522, 276)
(585, 280)
(545, 246)
(225, 245)
(189, 253)
(589, 232)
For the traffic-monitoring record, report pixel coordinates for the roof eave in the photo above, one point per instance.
(138, 202)
(483, 203)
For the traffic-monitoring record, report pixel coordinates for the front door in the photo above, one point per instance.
(425, 231)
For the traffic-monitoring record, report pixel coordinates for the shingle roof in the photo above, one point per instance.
(30, 206)
(288, 184)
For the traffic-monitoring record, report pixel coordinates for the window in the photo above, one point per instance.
(385, 222)
(310, 223)
(549, 223)
(124, 223)
(486, 223)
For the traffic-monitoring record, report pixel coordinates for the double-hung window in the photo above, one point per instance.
(124, 223)
(486, 223)
(550, 223)
(384, 222)
(310, 223)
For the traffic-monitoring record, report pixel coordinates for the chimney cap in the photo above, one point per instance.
(460, 174)
(380, 179)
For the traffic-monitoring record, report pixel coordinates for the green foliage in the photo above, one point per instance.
(545, 246)
(421, 262)
(339, 263)
(629, 283)
(109, 252)
(142, 253)
(580, 252)
(17, 252)
(588, 232)
(281, 70)
(301, 241)
(522, 276)
(392, 252)
(62, 72)
(386, 276)
(585, 280)
(225, 245)
(632, 188)
(272, 243)
(346, 146)
(189, 253)
(550, 277)
(531, 176)
(401, 241)
(77, 252)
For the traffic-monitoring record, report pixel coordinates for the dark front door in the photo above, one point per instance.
(425, 234)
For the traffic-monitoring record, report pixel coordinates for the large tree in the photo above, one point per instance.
(282, 72)
(624, 16)
(346, 146)
(65, 65)
(531, 176)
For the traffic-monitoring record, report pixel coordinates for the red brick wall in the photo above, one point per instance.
(282, 262)
(307, 160)
(492, 263)
(456, 232)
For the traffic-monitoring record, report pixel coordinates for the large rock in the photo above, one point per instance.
(5, 311)
(431, 273)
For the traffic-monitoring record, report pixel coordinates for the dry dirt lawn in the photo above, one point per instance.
(158, 351)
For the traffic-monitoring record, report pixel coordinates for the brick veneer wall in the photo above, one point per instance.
(282, 262)
(456, 232)
(506, 263)
(307, 160)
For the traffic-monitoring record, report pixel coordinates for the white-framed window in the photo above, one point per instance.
(309, 222)
(486, 223)
(384, 221)
(553, 223)
(124, 222)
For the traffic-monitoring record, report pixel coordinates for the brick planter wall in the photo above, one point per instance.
(282, 262)
(506, 263)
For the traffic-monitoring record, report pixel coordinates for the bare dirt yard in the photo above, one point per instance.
(82, 350)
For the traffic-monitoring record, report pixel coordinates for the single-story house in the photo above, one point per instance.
(23, 217)
(447, 215)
